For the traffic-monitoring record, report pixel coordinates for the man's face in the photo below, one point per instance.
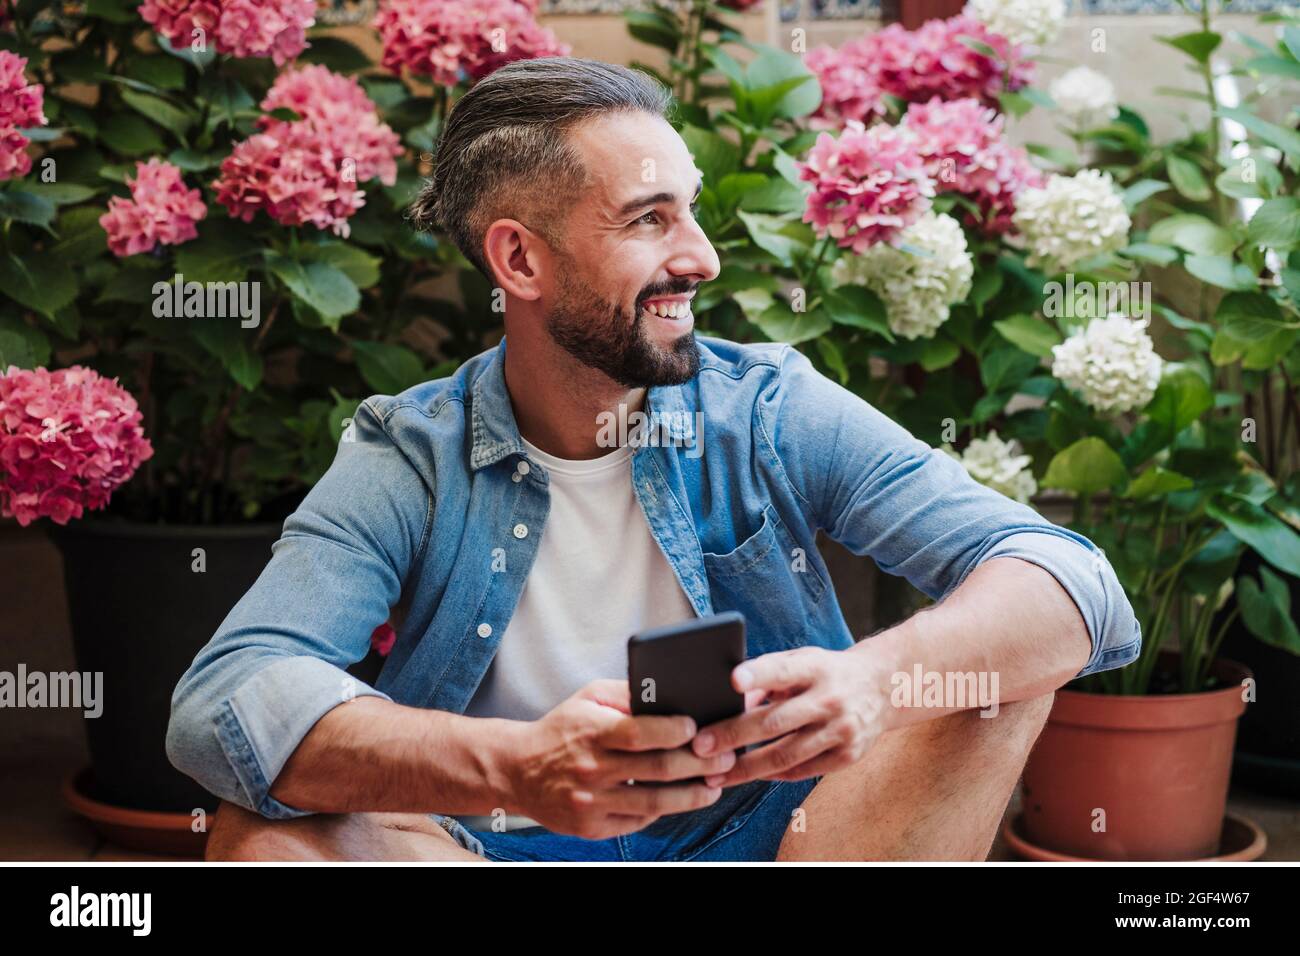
(633, 256)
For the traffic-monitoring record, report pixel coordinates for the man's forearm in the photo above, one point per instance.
(1009, 618)
(371, 754)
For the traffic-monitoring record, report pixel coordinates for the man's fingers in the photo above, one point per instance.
(781, 670)
(648, 733)
(665, 765)
(654, 801)
(610, 692)
(756, 726)
(766, 763)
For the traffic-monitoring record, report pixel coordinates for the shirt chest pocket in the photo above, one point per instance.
(770, 579)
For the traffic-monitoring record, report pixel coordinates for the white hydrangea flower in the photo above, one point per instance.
(1086, 97)
(917, 289)
(995, 463)
(1071, 218)
(1032, 22)
(1112, 364)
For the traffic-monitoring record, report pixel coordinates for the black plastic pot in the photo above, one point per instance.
(139, 615)
(1268, 739)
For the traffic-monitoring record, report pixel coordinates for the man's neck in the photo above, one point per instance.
(559, 403)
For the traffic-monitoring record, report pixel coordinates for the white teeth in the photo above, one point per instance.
(669, 310)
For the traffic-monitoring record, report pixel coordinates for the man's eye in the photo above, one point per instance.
(646, 219)
(695, 209)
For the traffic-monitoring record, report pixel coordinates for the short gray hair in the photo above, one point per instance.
(504, 152)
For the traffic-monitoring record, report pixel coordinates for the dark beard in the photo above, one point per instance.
(599, 335)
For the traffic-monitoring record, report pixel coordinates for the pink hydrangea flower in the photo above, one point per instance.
(161, 210)
(293, 175)
(68, 440)
(849, 89)
(933, 61)
(274, 28)
(867, 185)
(965, 152)
(178, 19)
(22, 105)
(341, 113)
(446, 39)
(383, 638)
(915, 66)
(243, 28)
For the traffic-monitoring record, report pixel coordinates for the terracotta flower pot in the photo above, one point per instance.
(1135, 778)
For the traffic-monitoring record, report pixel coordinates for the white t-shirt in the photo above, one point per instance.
(599, 577)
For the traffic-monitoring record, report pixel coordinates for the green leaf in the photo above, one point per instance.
(40, 282)
(987, 284)
(130, 135)
(357, 264)
(1276, 543)
(1287, 140)
(653, 28)
(1266, 611)
(1197, 45)
(336, 53)
(1086, 467)
(1249, 178)
(114, 11)
(1182, 396)
(1029, 334)
(232, 346)
(1223, 272)
(214, 258)
(779, 84)
(1150, 252)
(61, 194)
(323, 287)
(22, 345)
(81, 237)
(160, 111)
(1141, 191)
(780, 323)
(783, 240)
(26, 207)
(1187, 178)
(1157, 481)
(859, 308)
(833, 357)
(940, 352)
(386, 368)
(160, 72)
(1194, 234)
(714, 155)
(1276, 224)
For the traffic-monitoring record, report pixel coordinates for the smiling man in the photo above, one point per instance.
(521, 552)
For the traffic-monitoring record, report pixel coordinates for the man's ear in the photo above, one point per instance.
(517, 256)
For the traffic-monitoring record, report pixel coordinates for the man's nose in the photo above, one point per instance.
(697, 257)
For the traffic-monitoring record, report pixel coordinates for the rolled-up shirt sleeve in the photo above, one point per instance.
(883, 493)
(276, 664)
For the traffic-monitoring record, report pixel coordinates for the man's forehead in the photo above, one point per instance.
(627, 153)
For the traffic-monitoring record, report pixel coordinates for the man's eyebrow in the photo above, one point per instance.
(641, 202)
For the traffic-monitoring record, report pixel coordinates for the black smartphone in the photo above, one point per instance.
(686, 668)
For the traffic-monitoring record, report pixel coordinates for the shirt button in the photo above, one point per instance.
(521, 531)
(516, 477)
(522, 468)
(485, 629)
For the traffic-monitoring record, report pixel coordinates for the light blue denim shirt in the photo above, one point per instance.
(428, 508)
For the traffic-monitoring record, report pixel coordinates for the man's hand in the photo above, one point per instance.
(570, 769)
(820, 708)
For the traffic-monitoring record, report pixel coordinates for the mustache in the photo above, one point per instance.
(670, 287)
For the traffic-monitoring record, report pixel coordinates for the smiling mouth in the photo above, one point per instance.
(679, 309)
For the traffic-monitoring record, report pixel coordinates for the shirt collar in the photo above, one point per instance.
(496, 434)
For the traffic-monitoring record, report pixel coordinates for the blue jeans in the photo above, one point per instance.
(746, 823)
